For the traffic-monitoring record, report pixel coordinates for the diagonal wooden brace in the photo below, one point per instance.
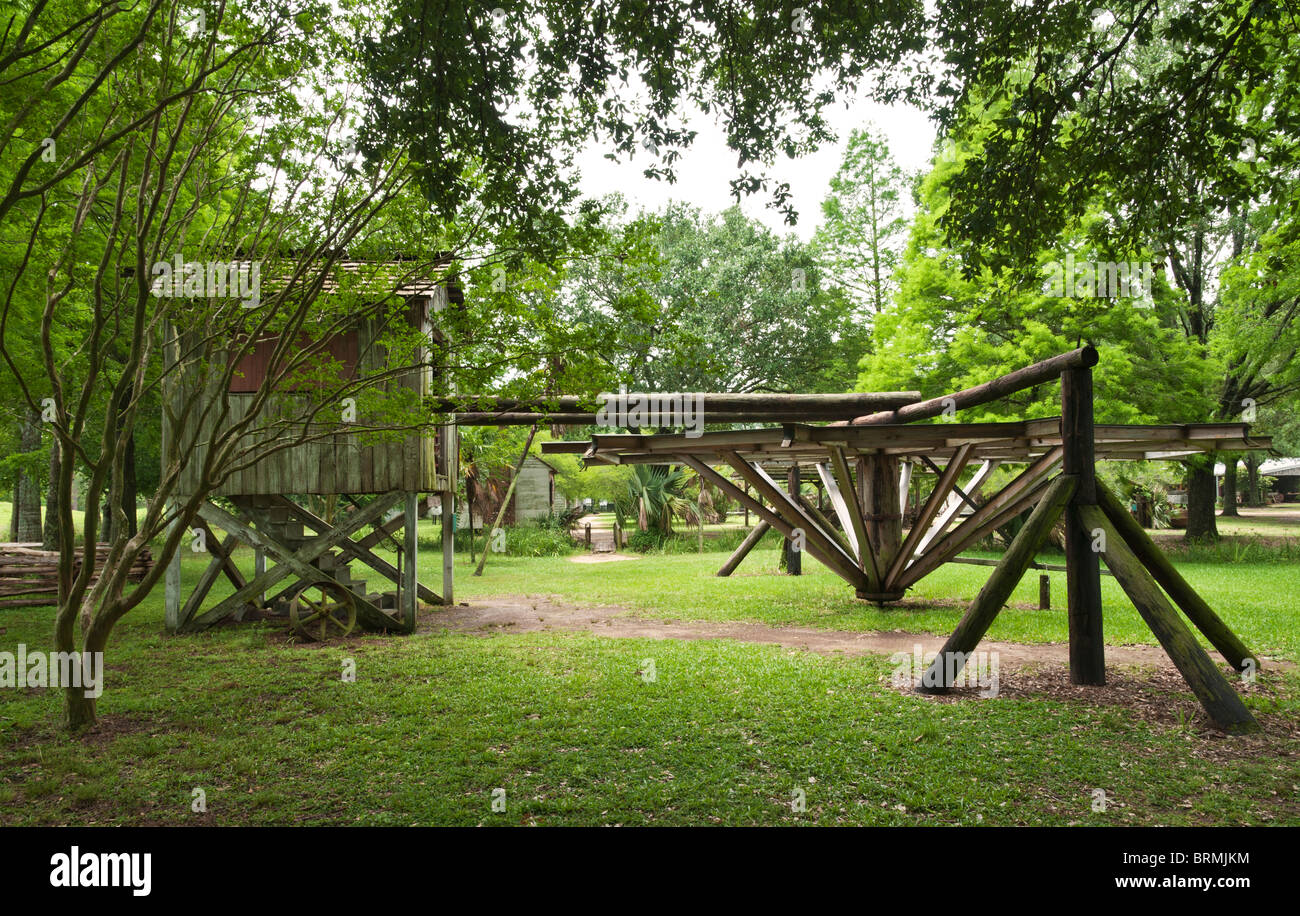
(290, 563)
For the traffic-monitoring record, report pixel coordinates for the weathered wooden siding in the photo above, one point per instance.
(336, 462)
(533, 491)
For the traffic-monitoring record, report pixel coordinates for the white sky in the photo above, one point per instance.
(705, 169)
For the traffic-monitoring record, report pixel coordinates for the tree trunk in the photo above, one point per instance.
(1230, 487)
(1254, 498)
(1201, 524)
(50, 530)
(80, 708)
(27, 494)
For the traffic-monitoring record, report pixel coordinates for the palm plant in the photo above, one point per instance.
(655, 494)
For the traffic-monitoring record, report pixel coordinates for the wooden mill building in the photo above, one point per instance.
(314, 448)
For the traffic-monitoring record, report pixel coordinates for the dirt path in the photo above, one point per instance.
(602, 534)
(522, 614)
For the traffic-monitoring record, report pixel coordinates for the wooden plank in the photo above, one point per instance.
(942, 488)
(222, 553)
(839, 505)
(850, 573)
(827, 526)
(1201, 674)
(1163, 571)
(955, 541)
(787, 508)
(953, 506)
(209, 575)
(940, 676)
(754, 536)
(1083, 576)
(848, 494)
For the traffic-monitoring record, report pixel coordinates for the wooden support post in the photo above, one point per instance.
(755, 535)
(881, 509)
(1207, 682)
(942, 673)
(1044, 592)
(358, 549)
(793, 556)
(172, 597)
(297, 564)
(1163, 571)
(259, 567)
(451, 463)
(1083, 568)
(411, 572)
(586, 534)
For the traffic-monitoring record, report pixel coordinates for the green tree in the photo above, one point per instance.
(949, 328)
(865, 221)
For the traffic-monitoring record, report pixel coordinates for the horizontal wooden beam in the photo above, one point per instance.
(1049, 370)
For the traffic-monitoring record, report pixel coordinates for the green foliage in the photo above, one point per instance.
(655, 496)
(720, 303)
(948, 330)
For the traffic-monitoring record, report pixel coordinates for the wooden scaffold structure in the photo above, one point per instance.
(864, 463)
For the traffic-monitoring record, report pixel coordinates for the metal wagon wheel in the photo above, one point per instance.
(321, 610)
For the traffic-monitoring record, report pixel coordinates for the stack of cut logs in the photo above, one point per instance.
(29, 576)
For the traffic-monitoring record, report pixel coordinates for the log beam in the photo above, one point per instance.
(1207, 682)
(942, 673)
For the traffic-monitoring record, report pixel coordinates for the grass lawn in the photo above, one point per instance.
(570, 726)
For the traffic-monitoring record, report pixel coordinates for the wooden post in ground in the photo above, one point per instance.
(1044, 592)
(942, 673)
(881, 508)
(259, 567)
(451, 469)
(1206, 681)
(1163, 571)
(411, 571)
(172, 595)
(1083, 565)
(793, 555)
(755, 535)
